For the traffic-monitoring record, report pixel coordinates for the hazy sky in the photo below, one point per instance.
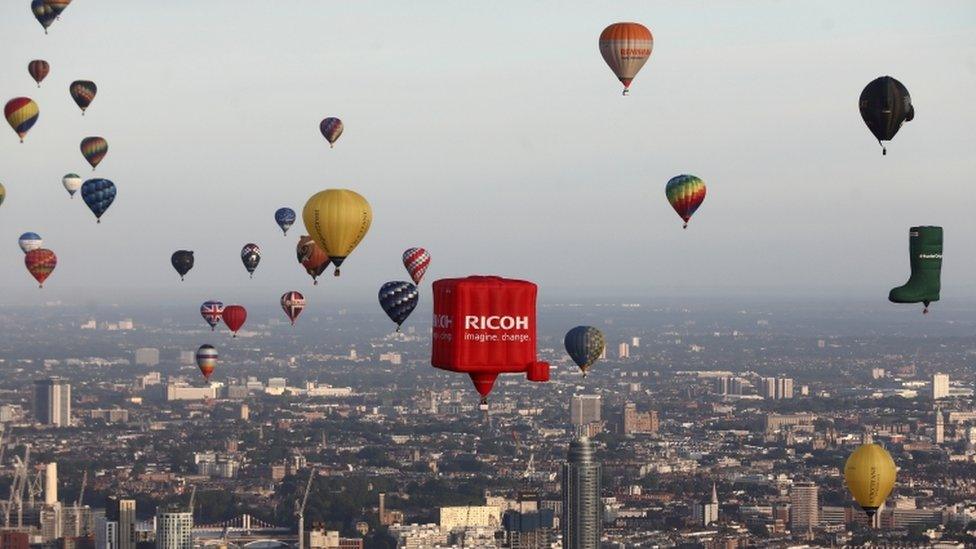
(494, 135)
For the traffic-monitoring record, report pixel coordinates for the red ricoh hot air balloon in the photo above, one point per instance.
(234, 317)
(40, 263)
(485, 326)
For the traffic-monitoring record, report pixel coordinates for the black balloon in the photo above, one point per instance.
(885, 105)
(182, 261)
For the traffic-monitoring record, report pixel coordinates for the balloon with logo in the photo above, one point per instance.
(585, 345)
(416, 260)
(207, 360)
(30, 241)
(626, 47)
(71, 182)
(98, 194)
(182, 261)
(311, 256)
(337, 219)
(94, 150)
(234, 317)
(293, 303)
(398, 299)
(885, 105)
(212, 311)
(251, 257)
(870, 476)
(331, 129)
(285, 218)
(40, 264)
(21, 114)
(44, 13)
(38, 69)
(685, 193)
(83, 92)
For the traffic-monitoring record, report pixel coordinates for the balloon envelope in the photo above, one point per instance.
(98, 194)
(685, 193)
(285, 218)
(71, 182)
(293, 303)
(44, 13)
(398, 299)
(38, 69)
(21, 114)
(416, 260)
(311, 256)
(207, 360)
(626, 47)
(30, 241)
(234, 317)
(870, 475)
(94, 150)
(40, 264)
(182, 261)
(885, 105)
(585, 345)
(331, 129)
(251, 257)
(83, 92)
(337, 219)
(212, 311)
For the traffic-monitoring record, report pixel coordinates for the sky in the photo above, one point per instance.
(494, 135)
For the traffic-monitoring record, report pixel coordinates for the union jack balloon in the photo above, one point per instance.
(416, 260)
(293, 304)
(212, 311)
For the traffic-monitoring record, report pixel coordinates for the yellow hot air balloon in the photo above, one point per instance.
(337, 219)
(870, 475)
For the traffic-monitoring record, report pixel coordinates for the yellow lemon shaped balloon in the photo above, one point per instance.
(337, 220)
(870, 476)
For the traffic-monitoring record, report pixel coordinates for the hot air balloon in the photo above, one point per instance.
(212, 311)
(293, 304)
(416, 260)
(182, 261)
(234, 317)
(331, 129)
(337, 219)
(3, 193)
(870, 475)
(40, 264)
(30, 241)
(71, 182)
(685, 193)
(207, 360)
(94, 150)
(398, 299)
(44, 13)
(311, 256)
(925, 261)
(885, 105)
(99, 195)
(21, 113)
(38, 69)
(285, 218)
(250, 257)
(83, 92)
(585, 345)
(626, 47)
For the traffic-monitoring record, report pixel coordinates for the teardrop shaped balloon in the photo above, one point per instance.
(21, 113)
(94, 150)
(398, 299)
(71, 182)
(251, 257)
(83, 92)
(207, 360)
(40, 264)
(416, 260)
(331, 129)
(38, 69)
(293, 303)
(234, 317)
(44, 13)
(870, 475)
(285, 218)
(98, 194)
(212, 311)
(626, 47)
(182, 261)
(585, 345)
(30, 241)
(685, 193)
(337, 219)
(885, 105)
(311, 256)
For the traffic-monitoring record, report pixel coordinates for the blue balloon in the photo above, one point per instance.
(99, 195)
(30, 241)
(285, 217)
(398, 299)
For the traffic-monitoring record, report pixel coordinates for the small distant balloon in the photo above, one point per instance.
(234, 317)
(98, 194)
(251, 257)
(293, 303)
(83, 92)
(94, 150)
(626, 47)
(885, 105)
(30, 241)
(338, 220)
(212, 311)
(285, 218)
(38, 69)
(331, 129)
(182, 261)
(71, 182)
(398, 299)
(21, 114)
(585, 345)
(207, 360)
(311, 256)
(416, 260)
(40, 264)
(685, 193)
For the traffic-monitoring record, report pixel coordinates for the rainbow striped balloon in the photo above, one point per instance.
(685, 193)
(83, 92)
(94, 150)
(21, 113)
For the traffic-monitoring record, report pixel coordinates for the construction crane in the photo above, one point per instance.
(23, 484)
(81, 497)
(300, 509)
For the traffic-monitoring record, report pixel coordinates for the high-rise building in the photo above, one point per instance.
(939, 426)
(804, 511)
(635, 341)
(706, 512)
(120, 515)
(582, 522)
(51, 483)
(147, 356)
(940, 386)
(635, 422)
(623, 350)
(776, 388)
(584, 409)
(52, 402)
(174, 528)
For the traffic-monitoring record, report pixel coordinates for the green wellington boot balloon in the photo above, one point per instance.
(925, 247)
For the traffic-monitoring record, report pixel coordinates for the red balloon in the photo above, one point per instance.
(40, 263)
(234, 317)
(293, 304)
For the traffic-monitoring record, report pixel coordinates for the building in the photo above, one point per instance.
(120, 515)
(110, 415)
(635, 342)
(147, 356)
(623, 350)
(776, 388)
(529, 529)
(877, 373)
(584, 409)
(804, 509)
(174, 528)
(776, 422)
(472, 516)
(52, 402)
(639, 423)
(706, 512)
(582, 517)
(939, 426)
(940, 386)
(176, 390)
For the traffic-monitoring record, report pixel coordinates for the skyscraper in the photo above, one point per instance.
(623, 350)
(582, 522)
(940, 386)
(52, 402)
(584, 409)
(174, 528)
(939, 426)
(775, 388)
(120, 515)
(804, 512)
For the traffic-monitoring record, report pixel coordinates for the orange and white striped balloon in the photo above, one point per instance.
(626, 47)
